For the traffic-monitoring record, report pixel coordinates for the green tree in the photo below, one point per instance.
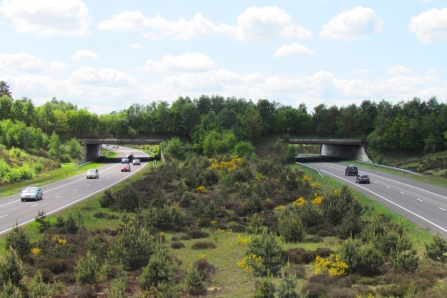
(19, 240)
(244, 149)
(437, 249)
(287, 287)
(55, 147)
(268, 249)
(194, 283)
(219, 142)
(87, 270)
(291, 229)
(265, 288)
(11, 268)
(38, 289)
(4, 89)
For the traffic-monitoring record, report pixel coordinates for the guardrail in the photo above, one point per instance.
(392, 168)
(311, 167)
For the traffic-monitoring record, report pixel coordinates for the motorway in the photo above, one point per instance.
(62, 194)
(422, 203)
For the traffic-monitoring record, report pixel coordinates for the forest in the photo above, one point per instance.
(415, 126)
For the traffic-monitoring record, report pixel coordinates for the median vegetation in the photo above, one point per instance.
(227, 226)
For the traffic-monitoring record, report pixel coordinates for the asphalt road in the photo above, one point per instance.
(67, 192)
(422, 203)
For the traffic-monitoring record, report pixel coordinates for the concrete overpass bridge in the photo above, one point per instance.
(93, 145)
(349, 148)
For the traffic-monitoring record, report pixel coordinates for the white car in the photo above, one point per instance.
(31, 193)
(92, 174)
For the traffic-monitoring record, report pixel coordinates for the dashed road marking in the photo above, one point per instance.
(420, 200)
(387, 186)
(75, 189)
(441, 208)
(402, 193)
(34, 205)
(88, 184)
(57, 197)
(4, 215)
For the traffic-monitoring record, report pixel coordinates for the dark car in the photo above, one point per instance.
(362, 178)
(351, 170)
(130, 157)
(125, 167)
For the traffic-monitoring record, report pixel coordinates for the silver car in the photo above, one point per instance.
(31, 193)
(92, 174)
(136, 161)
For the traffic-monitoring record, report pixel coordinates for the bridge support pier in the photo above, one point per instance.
(92, 152)
(348, 152)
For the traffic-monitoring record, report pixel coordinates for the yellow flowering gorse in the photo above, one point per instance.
(331, 265)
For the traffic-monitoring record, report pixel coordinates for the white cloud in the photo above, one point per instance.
(84, 55)
(255, 23)
(188, 61)
(358, 23)
(399, 70)
(362, 71)
(21, 61)
(432, 71)
(430, 26)
(136, 46)
(48, 17)
(293, 50)
(57, 66)
(107, 76)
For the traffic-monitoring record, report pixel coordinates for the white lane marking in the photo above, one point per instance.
(375, 182)
(387, 186)
(88, 184)
(9, 203)
(402, 193)
(75, 189)
(441, 208)
(395, 204)
(74, 202)
(420, 200)
(4, 215)
(57, 197)
(34, 205)
(408, 185)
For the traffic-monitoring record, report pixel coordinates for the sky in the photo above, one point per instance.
(106, 55)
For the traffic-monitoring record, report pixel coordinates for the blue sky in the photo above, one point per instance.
(106, 55)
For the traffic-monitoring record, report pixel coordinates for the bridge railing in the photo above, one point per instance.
(329, 136)
(99, 135)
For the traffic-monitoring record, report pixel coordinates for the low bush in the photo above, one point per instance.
(315, 290)
(112, 216)
(198, 234)
(107, 199)
(309, 256)
(185, 237)
(203, 245)
(293, 255)
(177, 245)
(100, 214)
(342, 293)
(205, 268)
(237, 228)
(174, 238)
(204, 222)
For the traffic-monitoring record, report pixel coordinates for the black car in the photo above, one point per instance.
(351, 170)
(362, 178)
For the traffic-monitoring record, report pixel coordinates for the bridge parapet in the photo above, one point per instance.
(121, 141)
(345, 142)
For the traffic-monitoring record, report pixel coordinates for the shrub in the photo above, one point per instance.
(160, 269)
(315, 290)
(265, 288)
(128, 200)
(311, 255)
(197, 234)
(86, 270)
(237, 228)
(70, 225)
(291, 229)
(174, 238)
(194, 283)
(204, 222)
(100, 214)
(205, 268)
(37, 287)
(11, 268)
(177, 245)
(287, 286)
(10, 290)
(19, 241)
(132, 247)
(187, 237)
(293, 255)
(107, 199)
(112, 216)
(437, 249)
(203, 245)
(268, 249)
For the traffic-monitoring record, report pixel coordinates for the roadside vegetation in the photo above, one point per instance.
(226, 226)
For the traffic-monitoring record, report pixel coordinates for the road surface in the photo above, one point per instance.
(65, 193)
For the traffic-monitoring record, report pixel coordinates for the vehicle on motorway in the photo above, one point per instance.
(136, 161)
(351, 170)
(125, 160)
(130, 157)
(92, 174)
(362, 178)
(125, 167)
(31, 193)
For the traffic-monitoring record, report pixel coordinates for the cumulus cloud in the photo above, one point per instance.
(293, 50)
(48, 17)
(430, 26)
(358, 23)
(399, 70)
(21, 61)
(107, 76)
(136, 46)
(57, 66)
(255, 23)
(84, 55)
(188, 61)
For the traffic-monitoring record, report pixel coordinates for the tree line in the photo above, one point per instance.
(413, 126)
